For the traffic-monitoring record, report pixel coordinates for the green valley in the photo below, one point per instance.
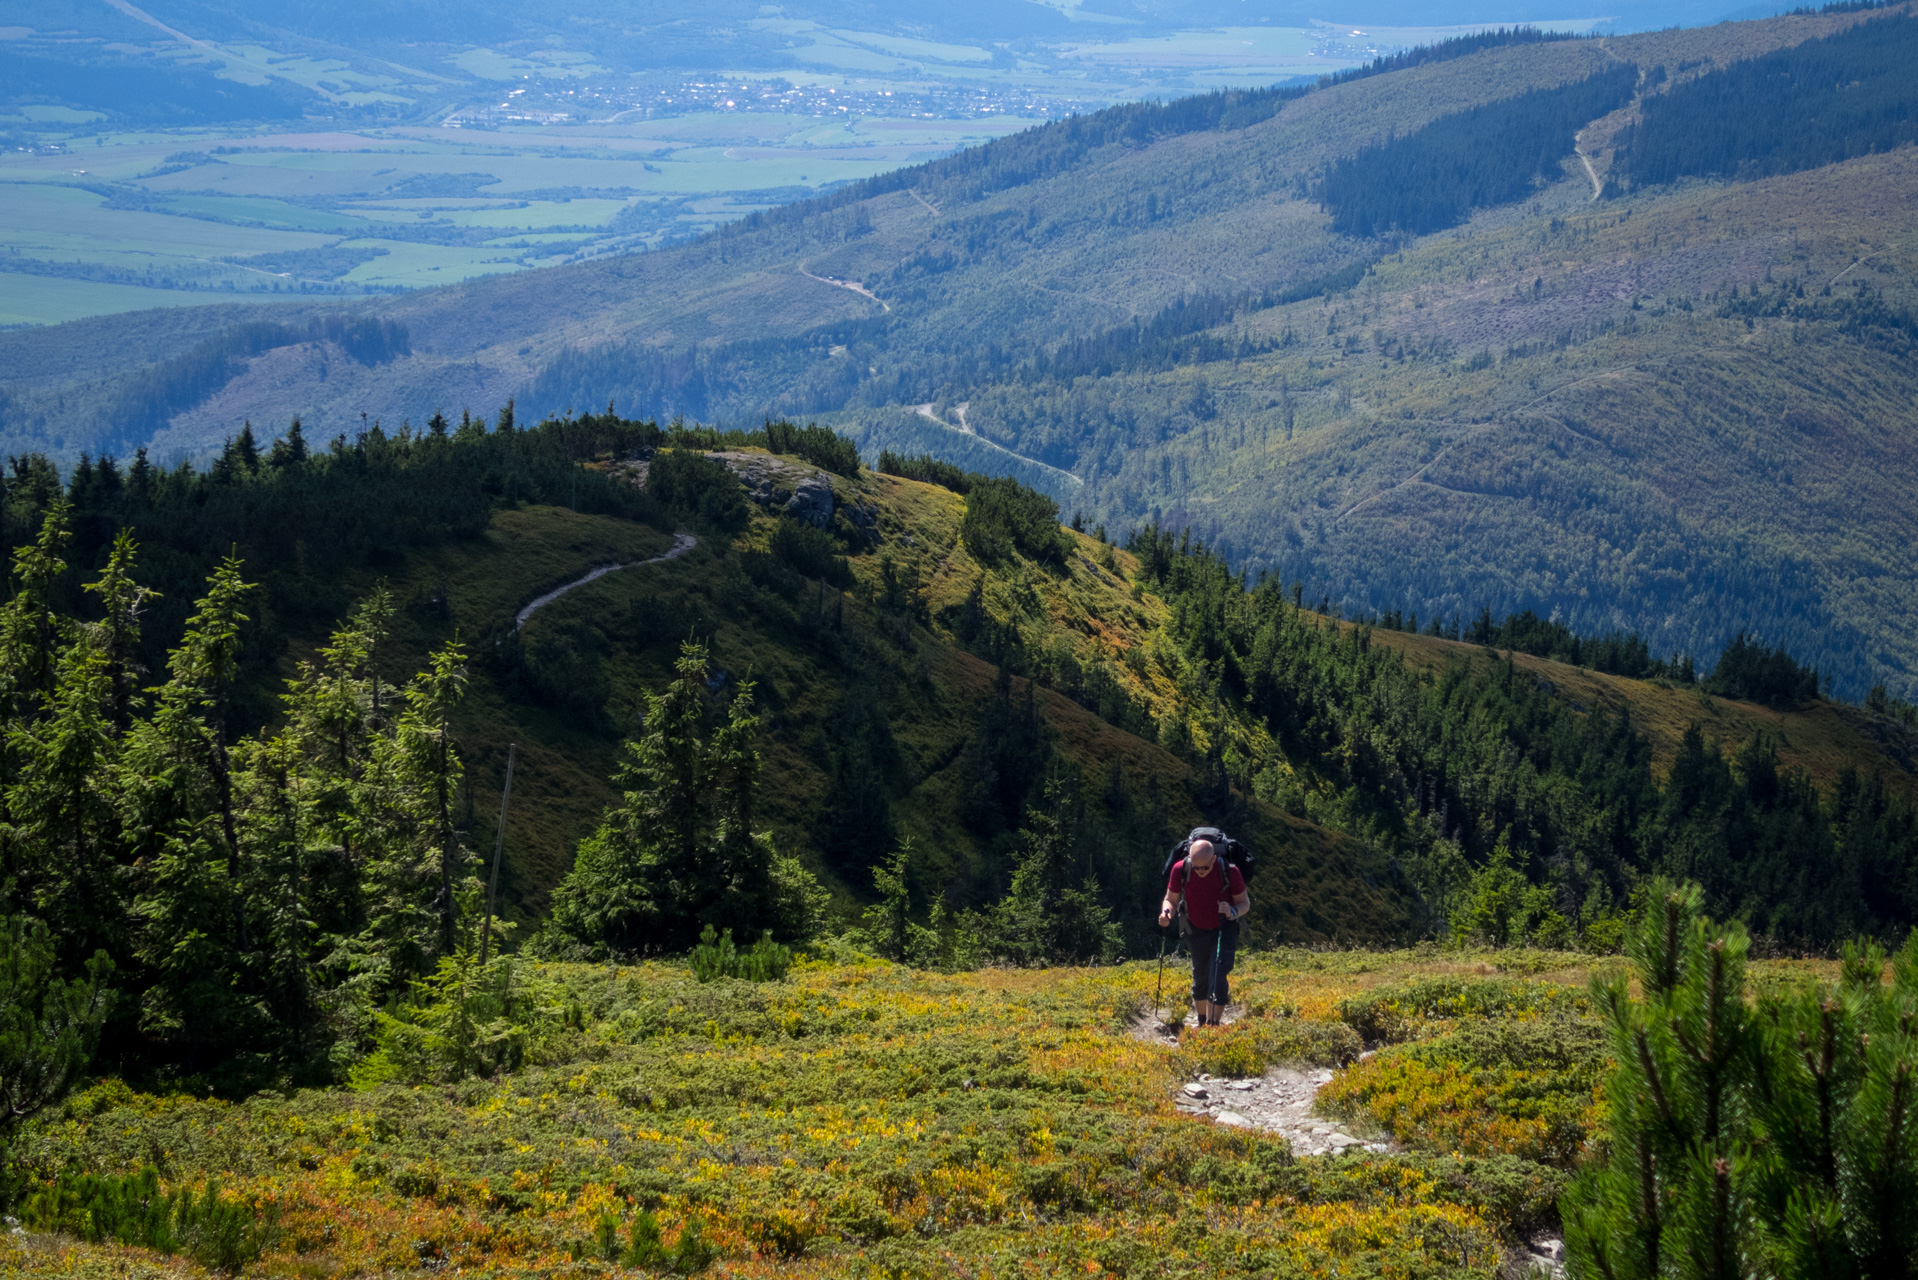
(1608, 404)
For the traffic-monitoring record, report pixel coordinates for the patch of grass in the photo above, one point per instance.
(1248, 1047)
(1395, 1014)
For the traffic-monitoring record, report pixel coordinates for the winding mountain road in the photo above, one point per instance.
(852, 285)
(681, 545)
(925, 411)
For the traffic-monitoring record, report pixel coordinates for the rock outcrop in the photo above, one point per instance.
(781, 484)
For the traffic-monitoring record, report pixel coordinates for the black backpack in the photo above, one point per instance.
(1234, 853)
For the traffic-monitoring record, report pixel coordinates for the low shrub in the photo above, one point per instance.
(927, 470)
(1247, 1048)
(1395, 1014)
(1003, 517)
(810, 552)
(821, 446)
(697, 488)
(1491, 1087)
(646, 1245)
(1514, 1195)
(216, 1231)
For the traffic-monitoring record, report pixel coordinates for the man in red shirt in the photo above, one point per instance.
(1215, 899)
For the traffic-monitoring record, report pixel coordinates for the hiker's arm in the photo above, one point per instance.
(1241, 904)
(1166, 908)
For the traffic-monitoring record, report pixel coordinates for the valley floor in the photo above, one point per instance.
(858, 1118)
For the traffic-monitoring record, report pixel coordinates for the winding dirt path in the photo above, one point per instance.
(681, 545)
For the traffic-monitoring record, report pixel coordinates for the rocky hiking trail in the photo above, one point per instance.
(1281, 1101)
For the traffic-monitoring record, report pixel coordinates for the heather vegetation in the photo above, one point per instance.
(853, 1118)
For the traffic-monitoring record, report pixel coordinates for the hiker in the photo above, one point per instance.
(1215, 900)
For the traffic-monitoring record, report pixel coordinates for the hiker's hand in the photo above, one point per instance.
(1165, 916)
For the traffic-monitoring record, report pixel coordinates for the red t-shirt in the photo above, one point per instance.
(1202, 892)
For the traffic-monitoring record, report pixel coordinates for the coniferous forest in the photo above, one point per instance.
(1809, 105)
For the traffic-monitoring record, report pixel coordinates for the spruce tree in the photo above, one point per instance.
(178, 805)
(1052, 913)
(290, 449)
(429, 770)
(122, 600)
(31, 631)
(678, 853)
(67, 838)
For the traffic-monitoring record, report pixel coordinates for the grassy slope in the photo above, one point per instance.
(1822, 738)
(1315, 884)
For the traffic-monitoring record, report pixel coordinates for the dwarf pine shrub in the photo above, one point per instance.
(1768, 1138)
(217, 1231)
(717, 957)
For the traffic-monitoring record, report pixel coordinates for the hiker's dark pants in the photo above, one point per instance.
(1225, 940)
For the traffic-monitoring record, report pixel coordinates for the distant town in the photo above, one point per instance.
(774, 96)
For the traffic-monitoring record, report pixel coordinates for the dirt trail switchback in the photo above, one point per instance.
(681, 545)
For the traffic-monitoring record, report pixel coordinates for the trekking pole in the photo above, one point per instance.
(1218, 945)
(1158, 1001)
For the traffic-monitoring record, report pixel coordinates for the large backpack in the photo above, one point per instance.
(1231, 850)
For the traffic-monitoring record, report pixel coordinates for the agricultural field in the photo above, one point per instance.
(123, 221)
(860, 1118)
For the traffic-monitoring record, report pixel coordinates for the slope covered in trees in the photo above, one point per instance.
(1809, 105)
(1434, 178)
(1465, 769)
